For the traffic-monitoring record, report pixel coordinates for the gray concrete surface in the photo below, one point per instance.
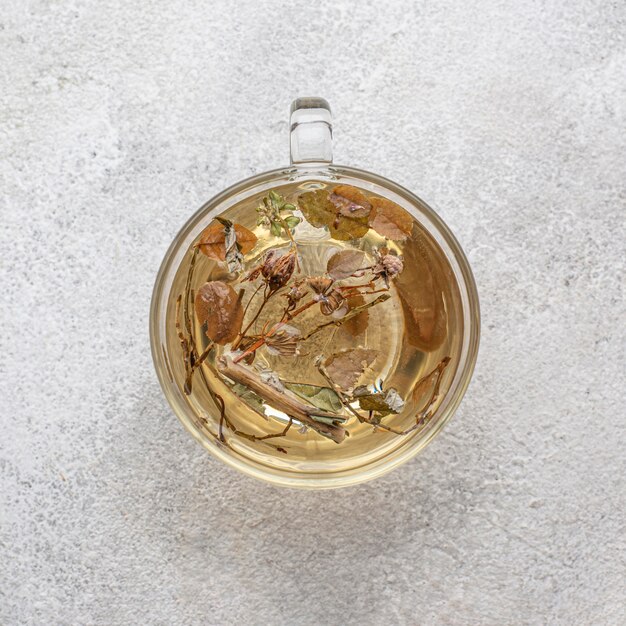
(118, 119)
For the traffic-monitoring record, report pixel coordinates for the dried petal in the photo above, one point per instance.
(345, 368)
(391, 220)
(219, 306)
(212, 241)
(345, 263)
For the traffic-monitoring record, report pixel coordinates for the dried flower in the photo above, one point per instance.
(333, 303)
(320, 284)
(284, 341)
(331, 300)
(388, 265)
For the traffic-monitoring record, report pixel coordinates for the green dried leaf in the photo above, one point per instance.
(331, 421)
(319, 211)
(254, 401)
(323, 398)
(292, 221)
(381, 402)
(276, 229)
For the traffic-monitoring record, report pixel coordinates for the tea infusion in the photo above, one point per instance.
(315, 324)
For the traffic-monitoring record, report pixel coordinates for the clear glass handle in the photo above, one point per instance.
(311, 131)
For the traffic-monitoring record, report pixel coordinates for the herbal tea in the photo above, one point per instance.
(314, 327)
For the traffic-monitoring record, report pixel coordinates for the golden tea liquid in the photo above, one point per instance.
(359, 340)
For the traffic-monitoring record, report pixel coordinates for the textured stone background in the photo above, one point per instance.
(118, 119)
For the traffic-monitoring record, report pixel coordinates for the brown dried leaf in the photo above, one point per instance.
(423, 292)
(345, 368)
(319, 211)
(345, 263)
(356, 325)
(219, 306)
(390, 220)
(212, 241)
(350, 201)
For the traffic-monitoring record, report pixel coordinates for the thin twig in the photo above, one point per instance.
(187, 292)
(342, 320)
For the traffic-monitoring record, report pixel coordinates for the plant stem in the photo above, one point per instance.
(342, 320)
(293, 241)
(285, 318)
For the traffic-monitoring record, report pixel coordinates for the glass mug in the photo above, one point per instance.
(314, 326)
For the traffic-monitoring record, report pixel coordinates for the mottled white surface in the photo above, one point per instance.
(118, 119)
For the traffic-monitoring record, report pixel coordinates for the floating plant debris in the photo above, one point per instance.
(277, 328)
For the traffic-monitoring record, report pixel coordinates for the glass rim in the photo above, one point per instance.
(471, 329)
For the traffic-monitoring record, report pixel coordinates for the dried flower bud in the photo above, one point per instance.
(392, 264)
(277, 270)
(296, 293)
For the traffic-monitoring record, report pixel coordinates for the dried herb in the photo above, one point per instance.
(344, 264)
(213, 241)
(346, 367)
(348, 316)
(331, 300)
(218, 305)
(276, 213)
(338, 296)
(319, 211)
(390, 220)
